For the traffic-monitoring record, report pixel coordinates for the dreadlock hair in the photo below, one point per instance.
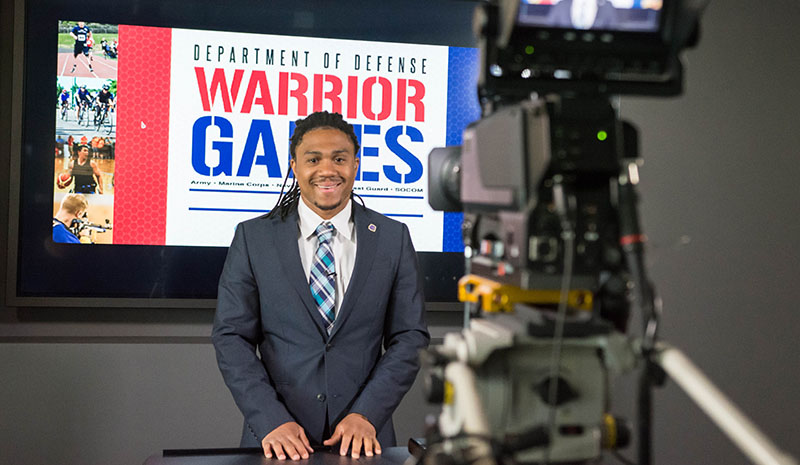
(287, 200)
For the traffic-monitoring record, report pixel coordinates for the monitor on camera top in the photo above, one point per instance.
(594, 15)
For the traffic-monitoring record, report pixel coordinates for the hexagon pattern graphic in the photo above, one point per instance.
(143, 88)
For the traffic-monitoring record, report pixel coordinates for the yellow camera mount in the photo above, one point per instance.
(498, 297)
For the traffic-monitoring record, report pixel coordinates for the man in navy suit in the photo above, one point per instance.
(320, 311)
(584, 14)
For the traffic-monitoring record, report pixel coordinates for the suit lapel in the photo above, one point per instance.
(367, 242)
(285, 243)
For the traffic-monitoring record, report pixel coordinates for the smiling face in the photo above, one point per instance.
(325, 167)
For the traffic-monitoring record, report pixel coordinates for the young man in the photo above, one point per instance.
(82, 35)
(105, 97)
(329, 294)
(84, 98)
(88, 177)
(73, 206)
(63, 98)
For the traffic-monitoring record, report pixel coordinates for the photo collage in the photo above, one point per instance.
(85, 120)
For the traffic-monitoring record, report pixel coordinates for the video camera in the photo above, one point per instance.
(546, 180)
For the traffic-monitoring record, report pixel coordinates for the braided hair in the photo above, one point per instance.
(287, 200)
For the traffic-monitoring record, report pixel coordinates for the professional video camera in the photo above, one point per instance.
(546, 180)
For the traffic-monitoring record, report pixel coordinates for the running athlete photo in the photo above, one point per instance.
(83, 38)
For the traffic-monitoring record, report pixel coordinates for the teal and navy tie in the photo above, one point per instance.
(323, 275)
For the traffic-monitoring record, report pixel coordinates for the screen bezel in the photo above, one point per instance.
(33, 132)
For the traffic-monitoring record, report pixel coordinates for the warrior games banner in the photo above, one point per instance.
(201, 122)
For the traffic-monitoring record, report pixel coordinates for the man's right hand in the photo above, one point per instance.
(289, 438)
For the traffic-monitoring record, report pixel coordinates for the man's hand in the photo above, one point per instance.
(357, 429)
(289, 437)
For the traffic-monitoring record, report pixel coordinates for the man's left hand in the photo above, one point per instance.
(355, 429)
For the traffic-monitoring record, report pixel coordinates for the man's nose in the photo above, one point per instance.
(326, 165)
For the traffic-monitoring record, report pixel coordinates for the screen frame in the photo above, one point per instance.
(28, 40)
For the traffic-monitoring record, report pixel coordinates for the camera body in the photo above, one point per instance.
(501, 378)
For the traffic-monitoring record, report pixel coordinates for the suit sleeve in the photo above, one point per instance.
(404, 335)
(236, 335)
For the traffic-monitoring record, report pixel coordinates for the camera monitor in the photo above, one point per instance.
(589, 47)
(595, 15)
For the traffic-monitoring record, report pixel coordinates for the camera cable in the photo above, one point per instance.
(564, 205)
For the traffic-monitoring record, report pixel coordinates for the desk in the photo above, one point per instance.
(390, 456)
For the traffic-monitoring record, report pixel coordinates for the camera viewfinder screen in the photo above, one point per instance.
(600, 15)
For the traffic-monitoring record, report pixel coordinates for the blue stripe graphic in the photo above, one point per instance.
(462, 109)
(245, 210)
(233, 191)
(380, 196)
(241, 210)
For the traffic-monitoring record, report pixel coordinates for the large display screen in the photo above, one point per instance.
(171, 136)
(197, 123)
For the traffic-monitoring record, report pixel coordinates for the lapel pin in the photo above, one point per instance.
(372, 227)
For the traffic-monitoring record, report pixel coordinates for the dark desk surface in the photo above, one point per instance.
(390, 456)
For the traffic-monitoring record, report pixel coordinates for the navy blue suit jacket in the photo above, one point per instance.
(365, 366)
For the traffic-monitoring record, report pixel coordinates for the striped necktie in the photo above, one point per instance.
(323, 275)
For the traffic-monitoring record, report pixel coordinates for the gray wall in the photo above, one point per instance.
(720, 205)
(721, 201)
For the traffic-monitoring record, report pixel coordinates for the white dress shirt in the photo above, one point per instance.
(343, 246)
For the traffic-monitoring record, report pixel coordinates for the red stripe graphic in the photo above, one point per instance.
(143, 89)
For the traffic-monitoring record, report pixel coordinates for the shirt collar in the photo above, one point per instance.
(309, 220)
